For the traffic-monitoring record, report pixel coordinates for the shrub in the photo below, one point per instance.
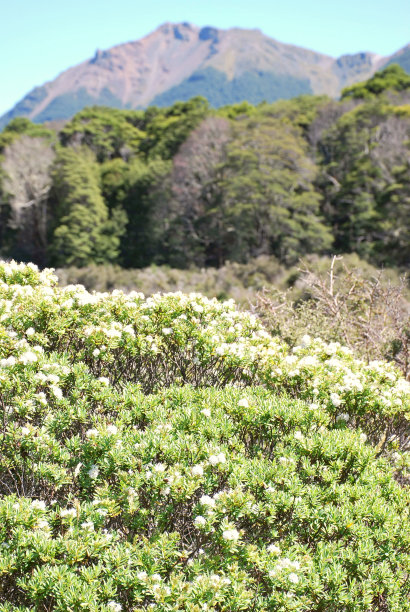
(233, 280)
(368, 310)
(153, 456)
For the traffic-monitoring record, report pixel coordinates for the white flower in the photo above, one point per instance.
(93, 472)
(142, 575)
(96, 352)
(231, 534)
(298, 435)
(38, 503)
(91, 433)
(30, 331)
(28, 357)
(206, 412)
(243, 402)
(272, 548)
(215, 459)
(25, 431)
(156, 577)
(68, 512)
(42, 524)
(10, 361)
(87, 526)
(197, 470)
(293, 578)
(115, 606)
(206, 500)
(200, 521)
(335, 399)
(105, 381)
(56, 391)
(166, 331)
(159, 467)
(343, 417)
(363, 437)
(53, 378)
(112, 429)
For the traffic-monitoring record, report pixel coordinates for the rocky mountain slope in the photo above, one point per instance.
(178, 61)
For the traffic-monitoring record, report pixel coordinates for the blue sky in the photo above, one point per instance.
(41, 38)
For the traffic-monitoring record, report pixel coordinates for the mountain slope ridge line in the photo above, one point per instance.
(178, 60)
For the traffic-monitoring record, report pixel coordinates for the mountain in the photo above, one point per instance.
(178, 61)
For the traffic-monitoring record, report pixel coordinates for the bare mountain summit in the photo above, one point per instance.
(178, 61)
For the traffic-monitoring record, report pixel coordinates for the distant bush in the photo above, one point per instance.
(233, 280)
(366, 309)
(167, 453)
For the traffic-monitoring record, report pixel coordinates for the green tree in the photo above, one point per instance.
(270, 202)
(84, 232)
(365, 182)
(108, 132)
(22, 126)
(392, 78)
(144, 203)
(168, 128)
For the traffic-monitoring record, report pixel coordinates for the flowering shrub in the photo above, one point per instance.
(168, 454)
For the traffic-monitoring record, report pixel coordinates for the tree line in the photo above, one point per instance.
(189, 185)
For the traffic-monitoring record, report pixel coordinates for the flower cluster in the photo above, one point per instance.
(167, 453)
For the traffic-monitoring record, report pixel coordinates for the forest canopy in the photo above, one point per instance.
(189, 185)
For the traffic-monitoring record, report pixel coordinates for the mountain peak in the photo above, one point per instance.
(179, 60)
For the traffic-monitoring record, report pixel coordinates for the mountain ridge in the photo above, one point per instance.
(163, 66)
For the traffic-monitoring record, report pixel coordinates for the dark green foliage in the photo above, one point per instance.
(270, 199)
(392, 78)
(365, 180)
(251, 86)
(107, 132)
(143, 204)
(84, 232)
(167, 129)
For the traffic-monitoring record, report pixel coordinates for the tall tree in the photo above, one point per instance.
(84, 233)
(365, 182)
(196, 195)
(144, 203)
(27, 180)
(270, 199)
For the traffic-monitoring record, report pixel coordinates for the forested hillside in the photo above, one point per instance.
(190, 186)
